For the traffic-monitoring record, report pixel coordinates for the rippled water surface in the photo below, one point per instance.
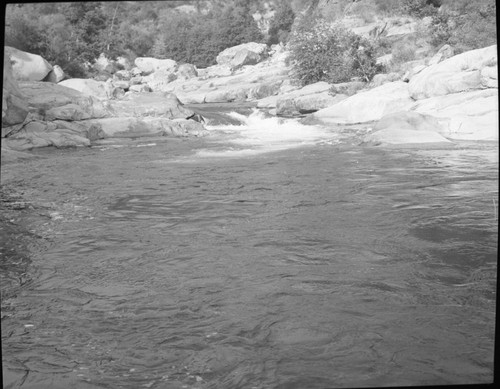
(221, 263)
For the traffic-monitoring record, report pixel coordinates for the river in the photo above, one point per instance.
(266, 255)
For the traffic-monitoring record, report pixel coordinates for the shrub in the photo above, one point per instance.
(331, 53)
(465, 25)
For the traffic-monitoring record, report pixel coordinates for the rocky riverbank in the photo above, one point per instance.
(441, 99)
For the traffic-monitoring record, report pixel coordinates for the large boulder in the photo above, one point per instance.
(459, 73)
(148, 65)
(42, 134)
(238, 56)
(186, 71)
(158, 80)
(152, 104)
(88, 87)
(368, 105)
(467, 115)
(126, 127)
(310, 98)
(26, 66)
(407, 129)
(14, 107)
(55, 75)
(44, 96)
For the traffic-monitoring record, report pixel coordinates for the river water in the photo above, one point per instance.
(266, 255)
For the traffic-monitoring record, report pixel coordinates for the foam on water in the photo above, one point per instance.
(259, 133)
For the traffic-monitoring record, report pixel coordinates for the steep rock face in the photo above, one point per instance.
(368, 105)
(27, 66)
(14, 107)
(460, 73)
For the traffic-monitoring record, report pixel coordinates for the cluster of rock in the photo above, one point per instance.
(37, 112)
(445, 97)
(450, 98)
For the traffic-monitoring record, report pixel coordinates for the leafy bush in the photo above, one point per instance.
(331, 53)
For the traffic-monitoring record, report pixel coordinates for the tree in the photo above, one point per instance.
(331, 53)
(281, 24)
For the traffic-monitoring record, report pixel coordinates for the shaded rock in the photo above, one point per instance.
(159, 80)
(70, 112)
(43, 96)
(85, 128)
(26, 66)
(136, 80)
(264, 90)
(152, 104)
(244, 57)
(347, 88)
(186, 71)
(55, 75)
(139, 88)
(306, 103)
(123, 84)
(226, 95)
(125, 127)
(368, 105)
(215, 71)
(42, 134)
(456, 74)
(87, 87)
(232, 55)
(148, 65)
(467, 115)
(124, 75)
(445, 52)
(14, 107)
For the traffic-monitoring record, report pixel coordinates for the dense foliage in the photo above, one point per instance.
(465, 25)
(73, 34)
(198, 38)
(327, 52)
(281, 24)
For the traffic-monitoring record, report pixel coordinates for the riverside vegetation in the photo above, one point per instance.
(291, 58)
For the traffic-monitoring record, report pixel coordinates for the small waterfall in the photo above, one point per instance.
(259, 132)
